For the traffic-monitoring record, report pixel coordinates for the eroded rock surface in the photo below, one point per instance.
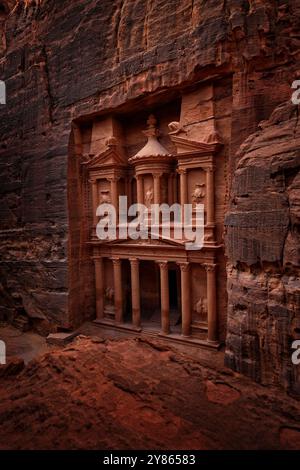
(65, 60)
(263, 230)
(129, 394)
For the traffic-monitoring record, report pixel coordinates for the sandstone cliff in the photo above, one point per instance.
(65, 60)
(263, 246)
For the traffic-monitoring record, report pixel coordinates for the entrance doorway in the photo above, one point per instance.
(150, 294)
(175, 299)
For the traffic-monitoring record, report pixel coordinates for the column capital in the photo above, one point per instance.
(134, 261)
(113, 179)
(163, 265)
(116, 261)
(210, 267)
(184, 266)
(157, 175)
(210, 169)
(182, 171)
(98, 258)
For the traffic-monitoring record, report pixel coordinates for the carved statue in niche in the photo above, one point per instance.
(109, 309)
(105, 197)
(199, 193)
(149, 197)
(201, 307)
(109, 295)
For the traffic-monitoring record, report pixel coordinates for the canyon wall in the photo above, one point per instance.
(65, 61)
(263, 245)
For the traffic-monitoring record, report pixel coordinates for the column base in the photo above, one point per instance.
(213, 343)
(170, 338)
(113, 324)
(163, 335)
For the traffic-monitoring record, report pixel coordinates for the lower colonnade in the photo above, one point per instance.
(185, 283)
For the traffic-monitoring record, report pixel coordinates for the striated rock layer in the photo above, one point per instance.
(64, 61)
(263, 246)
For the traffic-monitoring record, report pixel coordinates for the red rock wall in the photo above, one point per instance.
(65, 60)
(263, 245)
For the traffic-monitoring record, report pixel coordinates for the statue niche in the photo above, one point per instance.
(149, 197)
(199, 193)
(109, 309)
(105, 197)
(200, 309)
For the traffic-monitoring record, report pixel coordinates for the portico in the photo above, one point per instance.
(135, 285)
(157, 286)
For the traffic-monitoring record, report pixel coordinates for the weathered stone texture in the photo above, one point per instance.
(109, 395)
(263, 248)
(66, 60)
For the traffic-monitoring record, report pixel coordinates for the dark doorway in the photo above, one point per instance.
(126, 283)
(173, 291)
(150, 293)
(174, 297)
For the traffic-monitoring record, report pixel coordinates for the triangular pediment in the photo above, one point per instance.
(184, 145)
(161, 241)
(111, 157)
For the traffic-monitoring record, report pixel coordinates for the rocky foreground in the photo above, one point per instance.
(132, 394)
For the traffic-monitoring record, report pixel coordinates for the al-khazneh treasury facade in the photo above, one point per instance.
(156, 286)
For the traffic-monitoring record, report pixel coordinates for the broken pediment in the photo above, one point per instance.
(110, 158)
(184, 145)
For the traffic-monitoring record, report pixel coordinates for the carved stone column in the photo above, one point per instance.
(175, 189)
(95, 203)
(164, 295)
(117, 264)
(185, 299)
(114, 192)
(99, 285)
(210, 185)
(183, 187)
(211, 302)
(135, 292)
(129, 191)
(156, 180)
(140, 189)
(170, 189)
